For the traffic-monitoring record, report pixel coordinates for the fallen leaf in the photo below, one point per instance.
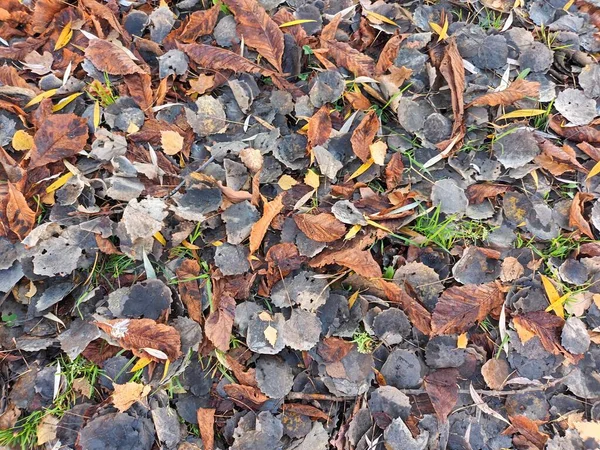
(247, 397)
(518, 90)
(389, 53)
(353, 257)
(322, 227)
(378, 151)
(219, 323)
(588, 430)
(462, 341)
(583, 133)
(527, 432)
(554, 298)
(206, 425)
(363, 135)
(286, 182)
(319, 127)
(20, 216)
(511, 269)
(171, 142)
(477, 193)
(22, 141)
(333, 349)
(46, 430)
(312, 179)
(64, 37)
(460, 307)
(394, 171)
(362, 169)
(199, 23)
(442, 388)
(547, 327)
(576, 218)
(187, 276)
(271, 335)
(252, 159)
(453, 70)
(304, 410)
(558, 160)
(495, 372)
(125, 395)
(110, 58)
(259, 229)
(344, 55)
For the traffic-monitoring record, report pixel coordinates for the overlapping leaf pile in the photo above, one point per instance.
(299, 224)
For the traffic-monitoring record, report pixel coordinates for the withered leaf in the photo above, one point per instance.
(528, 433)
(137, 334)
(356, 62)
(583, 133)
(191, 297)
(364, 134)
(417, 313)
(259, 31)
(199, 23)
(125, 395)
(140, 90)
(60, 136)
(460, 307)
(259, 229)
(20, 216)
(518, 90)
(333, 349)
(283, 15)
(282, 259)
(220, 323)
(322, 227)
(43, 13)
(394, 170)
(546, 326)
(442, 388)
(110, 58)
(557, 160)
(389, 53)
(206, 424)
(305, 410)
(361, 261)
(477, 193)
(246, 396)
(576, 218)
(453, 70)
(319, 127)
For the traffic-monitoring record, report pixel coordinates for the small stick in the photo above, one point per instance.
(199, 169)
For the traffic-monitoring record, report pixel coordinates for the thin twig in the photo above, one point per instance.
(199, 169)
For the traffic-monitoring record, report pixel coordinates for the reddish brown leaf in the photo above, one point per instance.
(518, 90)
(477, 193)
(442, 388)
(453, 70)
(460, 307)
(305, 410)
(319, 127)
(137, 334)
(360, 261)
(220, 322)
(110, 58)
(246, 396)
(364, 134)
(590, 150)
(333, 349)
(245, 376)
(187, 276)
(389, 53)
(60, 136)
(99, 351)
(576, 218)
(259, 31)
(19, 215)
(9, 76)
(139, 86)
(282, 259)
(259, 229)
(418, 315)
(557, 160)
(357, 100)
(582, 133)
(283, 15)
(329, 31)
(103, 12)
(356, 62)
(43, 13)
(106, 246)
(199, 23)
(527, 433)
(322, 227)
(206, 424)
(394, 170)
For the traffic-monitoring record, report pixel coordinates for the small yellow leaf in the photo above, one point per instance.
(286, 182)
(312, 179)
(378, 225)
(362, 169)
(553, 297)
(160, 238)
(140, 364)
(568, 5)
(296, 22)
(441, 31)
(22, 141)
(378, 150)
(166, 371)
(186, 244)
(379, 18)
(595, 171)
(60, 182)
(38, 98)
(125, 395)
(171, 141)
(521, 113)
(132, 128)
(462, 341)
(557, 306)
(96, 115)
(65, 36)
(352, 299)
(271, 335)
(217, 243)
(352, 232)
(65, 101)
(265, 316)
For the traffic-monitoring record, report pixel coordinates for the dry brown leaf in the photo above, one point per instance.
(125, 395)
(388, 54)
(333, 349)
(171, 141)
(511, 269)
(259, 229)
(477, 193)
(319, 127)
(453, 70)
(557, 160)
(322, 227)
(442, 388)
(356, 62)
(202, 84)
(206, 424)
(460, 307)
(394, 170)
(576, 134)
(576, 218)
(137, 334)
(252, 159)
(518, 90)
(590, 150)
(330, 30)
(357, 100)
(189, 291)
(283, 15)
(60, 136)
(19, 215)
(527, 433)
(110, 58)
(9, 76)
(282, 259)
(378, 151)
(305, 410)
(103, 12)
(246, 396)
(417, 313)
(43, 13)
(219, 323)
(495, 372)
(199, 23)
(363, 135)
(46, 430)
(140, 89)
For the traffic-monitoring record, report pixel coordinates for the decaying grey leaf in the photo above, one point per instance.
(304, 289)
(346, 212)
(209, 118)
(144, 218)
(575, 106)
(274, 376)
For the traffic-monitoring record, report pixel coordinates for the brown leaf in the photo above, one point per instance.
(60, 136)
(495, 372)
(137, 334)
(477, 193)
(106, 246)
(244, 376)
(330, 30)
(357, 100)
(576, 218)
(199, 23)
(511, 269)
(43, 13)
(582, 133)
(140, 89)
(282, 259)
(110, 58)
(283, 15)
(259, 31)
(389, 53)
(333, 349)
(189, 291)
(590, 150)
(356, 62)
(442, 388)
(527, 431)
(319, 127)
(305, 410)
(417, 313)
(125, 395)
(547, 327)
(9, 76)
(518, 90)
(19, 215)
(364, 134)
(206, 424)
(246, 396)
(558, 160)
(453, 70)
(394, 171)
(460, 307)
(103, 12)
(322, 227)
(259, 229)
(220, 322)
(361, 261)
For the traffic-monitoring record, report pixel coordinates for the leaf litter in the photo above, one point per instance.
(297, 224)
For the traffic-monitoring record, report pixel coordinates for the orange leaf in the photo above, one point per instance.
(518, 89)
(363, 135)
(20, 216)
(322, 227)
(319, 127)
(259, 229)
(576, 218)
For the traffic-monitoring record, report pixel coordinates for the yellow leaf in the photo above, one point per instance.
(521, 113)
(171, 141)
(265, 316)
(352, 299)
(64, 37)
(60, 182)
(217, 243)
(96, 115)
(132, 128)
(380, 18)
(378, 150)
(271, 335)
(286, 182)
(312, 179)
(553, 296)
(378, 225)
(362, 169)
(22, 141)
(462, 341)
(352, 232)
(186, 244)
(296, 22)
(518, 4)
(65, 101)
(536, 180)
(441, 31)
(38, 98)
(558, 305)
(160, 238)
(166, 371)
(125, 395)
(524, 333)
(140, 364)
(595, 171)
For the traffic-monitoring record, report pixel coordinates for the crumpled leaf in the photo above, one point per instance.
(20, 216)
(125, 395)
(110, 58)
(199, 23)
(518, 90)
(527, 432)
(576, 218)
(319, 127)
(220, 323)
(363, 135)
(322, 227)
